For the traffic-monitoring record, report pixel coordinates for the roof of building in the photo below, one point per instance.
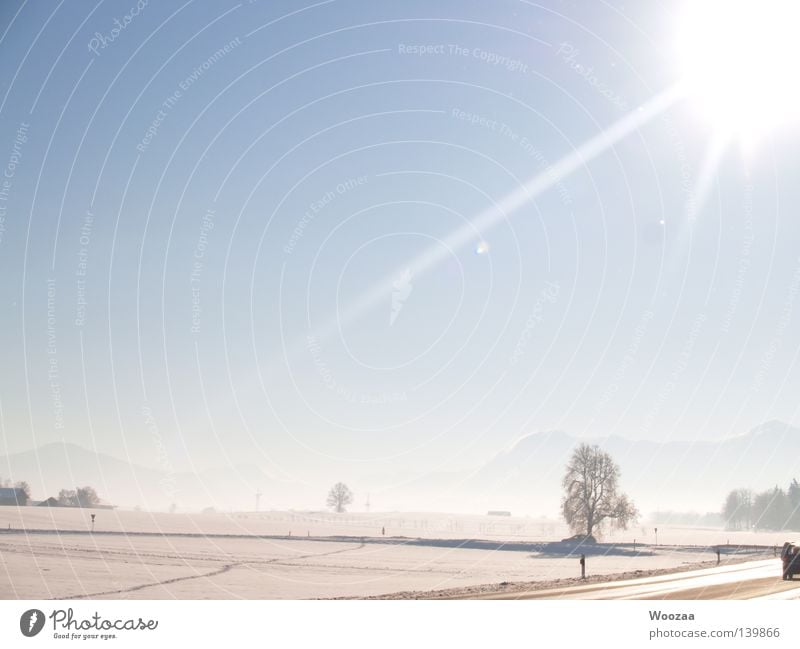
(10, 491)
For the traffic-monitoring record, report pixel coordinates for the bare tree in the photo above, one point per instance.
(86, 497)
(26, 489)
(738, 509)
(591, 492)
(339, 497)
(68, 498)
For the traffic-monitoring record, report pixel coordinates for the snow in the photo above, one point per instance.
(217, 556)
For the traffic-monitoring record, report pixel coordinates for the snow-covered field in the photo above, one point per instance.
(216, 556)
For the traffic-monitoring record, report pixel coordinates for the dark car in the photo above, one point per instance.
(790, 559)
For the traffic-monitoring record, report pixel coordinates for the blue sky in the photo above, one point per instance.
(162, 172)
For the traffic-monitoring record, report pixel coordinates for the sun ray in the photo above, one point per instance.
(699, 197)
(490, 217)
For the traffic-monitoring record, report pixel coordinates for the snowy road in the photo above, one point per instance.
(751, 580)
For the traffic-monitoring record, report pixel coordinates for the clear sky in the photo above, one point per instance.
(196, 195)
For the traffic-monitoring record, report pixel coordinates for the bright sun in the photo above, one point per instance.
(739, 62)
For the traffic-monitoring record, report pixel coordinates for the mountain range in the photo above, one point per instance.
(677, 475)
(62, 465)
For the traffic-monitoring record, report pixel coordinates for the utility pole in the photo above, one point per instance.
(258, 499)
(366, 504)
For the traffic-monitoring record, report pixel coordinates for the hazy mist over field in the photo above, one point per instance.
(525, 479)
(421, 248)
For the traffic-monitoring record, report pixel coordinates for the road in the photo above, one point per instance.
(750, 580)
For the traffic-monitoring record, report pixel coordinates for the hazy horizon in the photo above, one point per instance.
(524, 478)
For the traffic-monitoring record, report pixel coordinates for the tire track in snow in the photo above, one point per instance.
(212, 573)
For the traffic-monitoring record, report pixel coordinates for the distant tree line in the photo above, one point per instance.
(80, 497)
(695, 519)
(773, 509)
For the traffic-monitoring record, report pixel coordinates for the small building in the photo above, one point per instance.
(50, 502)
(498, 512)
(11, 496)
